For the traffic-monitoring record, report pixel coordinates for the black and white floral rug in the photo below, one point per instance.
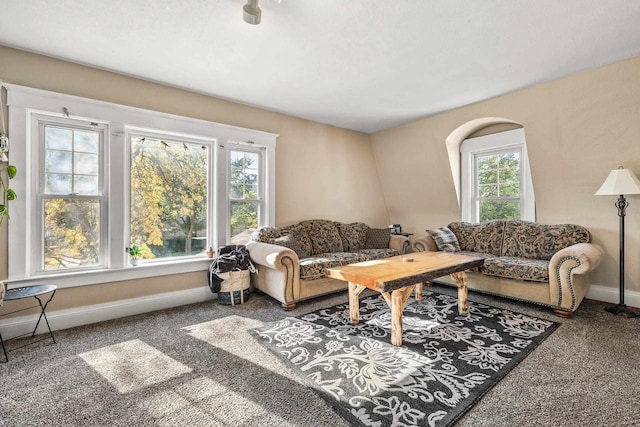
(447, 362)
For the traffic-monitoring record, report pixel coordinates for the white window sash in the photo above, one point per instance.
(39, 196)
(513, 140)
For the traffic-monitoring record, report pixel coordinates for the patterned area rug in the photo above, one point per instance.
(447, 362)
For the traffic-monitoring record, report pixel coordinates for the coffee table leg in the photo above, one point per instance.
(354, 303)
(418, 291)
(460, 279)
(399, 299)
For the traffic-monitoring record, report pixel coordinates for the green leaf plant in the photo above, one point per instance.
(7, 193)
(135, 251)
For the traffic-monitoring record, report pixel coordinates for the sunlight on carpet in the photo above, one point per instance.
(191, 403)
(133, 365)
(233, 335)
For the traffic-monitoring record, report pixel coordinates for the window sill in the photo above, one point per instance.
(95, 277)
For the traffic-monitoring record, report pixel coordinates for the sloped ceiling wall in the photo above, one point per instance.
(578, 129)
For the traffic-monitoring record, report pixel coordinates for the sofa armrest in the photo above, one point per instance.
(424, 243)
(278, 271)
(568, 274)
(400, 243)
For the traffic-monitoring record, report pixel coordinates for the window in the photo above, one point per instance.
(70, 197)
(106, 176)
(496, 182)
(245, 195)
(168, 196)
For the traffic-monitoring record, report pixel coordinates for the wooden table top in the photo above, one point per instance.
(389, 274)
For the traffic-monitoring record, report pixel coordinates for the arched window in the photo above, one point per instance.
(495, 178)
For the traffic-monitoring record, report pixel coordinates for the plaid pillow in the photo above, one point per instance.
(445, 239)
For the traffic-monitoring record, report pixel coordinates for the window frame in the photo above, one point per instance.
(24, 103)
(471, 148)
(39, 123)
(131, 131)
(227, 148)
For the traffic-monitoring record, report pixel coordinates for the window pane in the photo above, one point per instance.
(499, 209)
(244, 175)
(71, 233)
(510, 190)
(86, 142)
(244, 216)
(510, 160)
(488, 177)
(168, 197)
(85, 163)
(85, 185)
(237, 191)
(58, 161)
(487, 190)
(58, 139)
(57, 184)
(486, 163)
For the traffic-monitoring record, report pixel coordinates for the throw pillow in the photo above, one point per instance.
(324, 236)
(445, 239)
(378, 238)
(290, 242)
(354, 235)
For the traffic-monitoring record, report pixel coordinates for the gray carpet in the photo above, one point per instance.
(199, 365)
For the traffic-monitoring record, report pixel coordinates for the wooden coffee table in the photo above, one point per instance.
(396, 277)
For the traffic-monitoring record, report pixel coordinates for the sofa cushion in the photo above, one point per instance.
(445, 239)
(539, 241)
(323, 235)
(535, 270)
(378, 238)
(354, 236)
(299, 233)
(485, 237)
(369, 254)
(315, 266)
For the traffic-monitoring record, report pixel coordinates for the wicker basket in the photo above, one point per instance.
(235, 289)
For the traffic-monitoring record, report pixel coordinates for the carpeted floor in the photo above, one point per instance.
(199, 365)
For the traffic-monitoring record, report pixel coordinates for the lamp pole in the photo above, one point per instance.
(621, 308)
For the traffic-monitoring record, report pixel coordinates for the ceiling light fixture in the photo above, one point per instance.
(251, 12)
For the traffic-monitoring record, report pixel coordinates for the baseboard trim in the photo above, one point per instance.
(77, 316)
(609, 294)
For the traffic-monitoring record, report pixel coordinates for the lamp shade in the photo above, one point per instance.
(620, 181)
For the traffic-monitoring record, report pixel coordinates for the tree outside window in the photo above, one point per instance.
(71, 197)
(169, 191)
(498, 186)
(244, 192)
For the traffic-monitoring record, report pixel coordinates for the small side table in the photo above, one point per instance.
(34, 291)
(402, 234)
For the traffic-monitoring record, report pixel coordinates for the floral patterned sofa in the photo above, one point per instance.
(544, 264)
(292, 261)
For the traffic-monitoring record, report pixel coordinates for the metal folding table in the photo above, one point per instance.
(35, 291)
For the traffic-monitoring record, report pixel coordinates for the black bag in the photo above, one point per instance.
(228, 258)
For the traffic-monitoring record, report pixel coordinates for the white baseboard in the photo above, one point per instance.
(71, 317)
(609, 294)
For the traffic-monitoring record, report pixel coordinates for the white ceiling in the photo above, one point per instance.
(365, 65)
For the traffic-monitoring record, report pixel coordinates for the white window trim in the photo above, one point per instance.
(37, 214)
(224, 183)
(513, 139)
(23, 102)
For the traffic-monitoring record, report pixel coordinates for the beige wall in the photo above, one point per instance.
(578, 129)
(322, 171)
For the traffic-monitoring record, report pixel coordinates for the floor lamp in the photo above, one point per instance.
(620, 182)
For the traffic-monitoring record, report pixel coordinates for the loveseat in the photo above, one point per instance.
(292, 261)
(543, 264)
